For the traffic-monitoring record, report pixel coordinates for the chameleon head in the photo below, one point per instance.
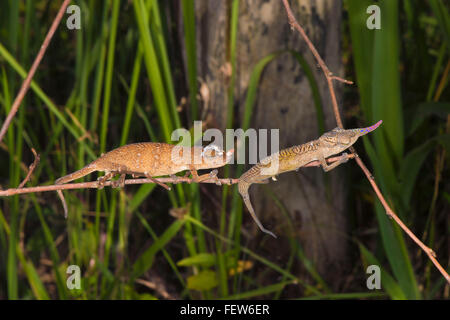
(215, 157)
(337, 140)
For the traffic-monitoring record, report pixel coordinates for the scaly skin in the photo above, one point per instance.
(330, 143)
(152, 159)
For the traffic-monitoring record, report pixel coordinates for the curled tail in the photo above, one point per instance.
(77, 174)
(243, 190)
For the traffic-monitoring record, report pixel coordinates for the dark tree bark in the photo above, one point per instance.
(284, 102)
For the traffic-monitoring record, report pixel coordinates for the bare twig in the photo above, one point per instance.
(391, 214)
(26, 83)
(330, 77)
(37, 158)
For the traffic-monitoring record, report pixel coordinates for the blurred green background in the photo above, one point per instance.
(130, 74)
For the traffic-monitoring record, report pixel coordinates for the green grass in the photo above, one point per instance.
(397, 171)
(120, 79)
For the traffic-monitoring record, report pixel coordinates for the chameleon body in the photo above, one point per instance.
(330, 143)
(152, 159)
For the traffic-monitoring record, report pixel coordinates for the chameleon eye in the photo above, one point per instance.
(211, 151)
(345, 140)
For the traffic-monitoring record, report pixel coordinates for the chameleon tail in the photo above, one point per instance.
(243, 190)
(77, 174)
(63, 200)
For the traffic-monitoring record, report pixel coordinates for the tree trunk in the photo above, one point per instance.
(284, 102)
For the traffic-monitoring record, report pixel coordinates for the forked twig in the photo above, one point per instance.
(330, 77)
(37, 158)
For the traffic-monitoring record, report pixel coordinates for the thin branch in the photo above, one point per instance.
(26, 83)
(342, 80)
(329, 77)
(94, 184)
(391, 214)
(37, 158)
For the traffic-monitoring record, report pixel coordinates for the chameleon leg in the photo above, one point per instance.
(122, 180)
(119, 183)
(101, 180)
(326, 167)
(203, 177)
(186, 175)
(165, 186)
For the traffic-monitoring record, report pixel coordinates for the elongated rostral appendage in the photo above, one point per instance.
(371, 128)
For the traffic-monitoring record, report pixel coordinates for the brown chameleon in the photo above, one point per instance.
(152, 159)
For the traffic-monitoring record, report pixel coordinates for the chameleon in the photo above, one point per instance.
(330, 143)
(152, 159)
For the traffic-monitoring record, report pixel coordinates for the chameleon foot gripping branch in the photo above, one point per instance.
(152, 159)
(330, 143)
